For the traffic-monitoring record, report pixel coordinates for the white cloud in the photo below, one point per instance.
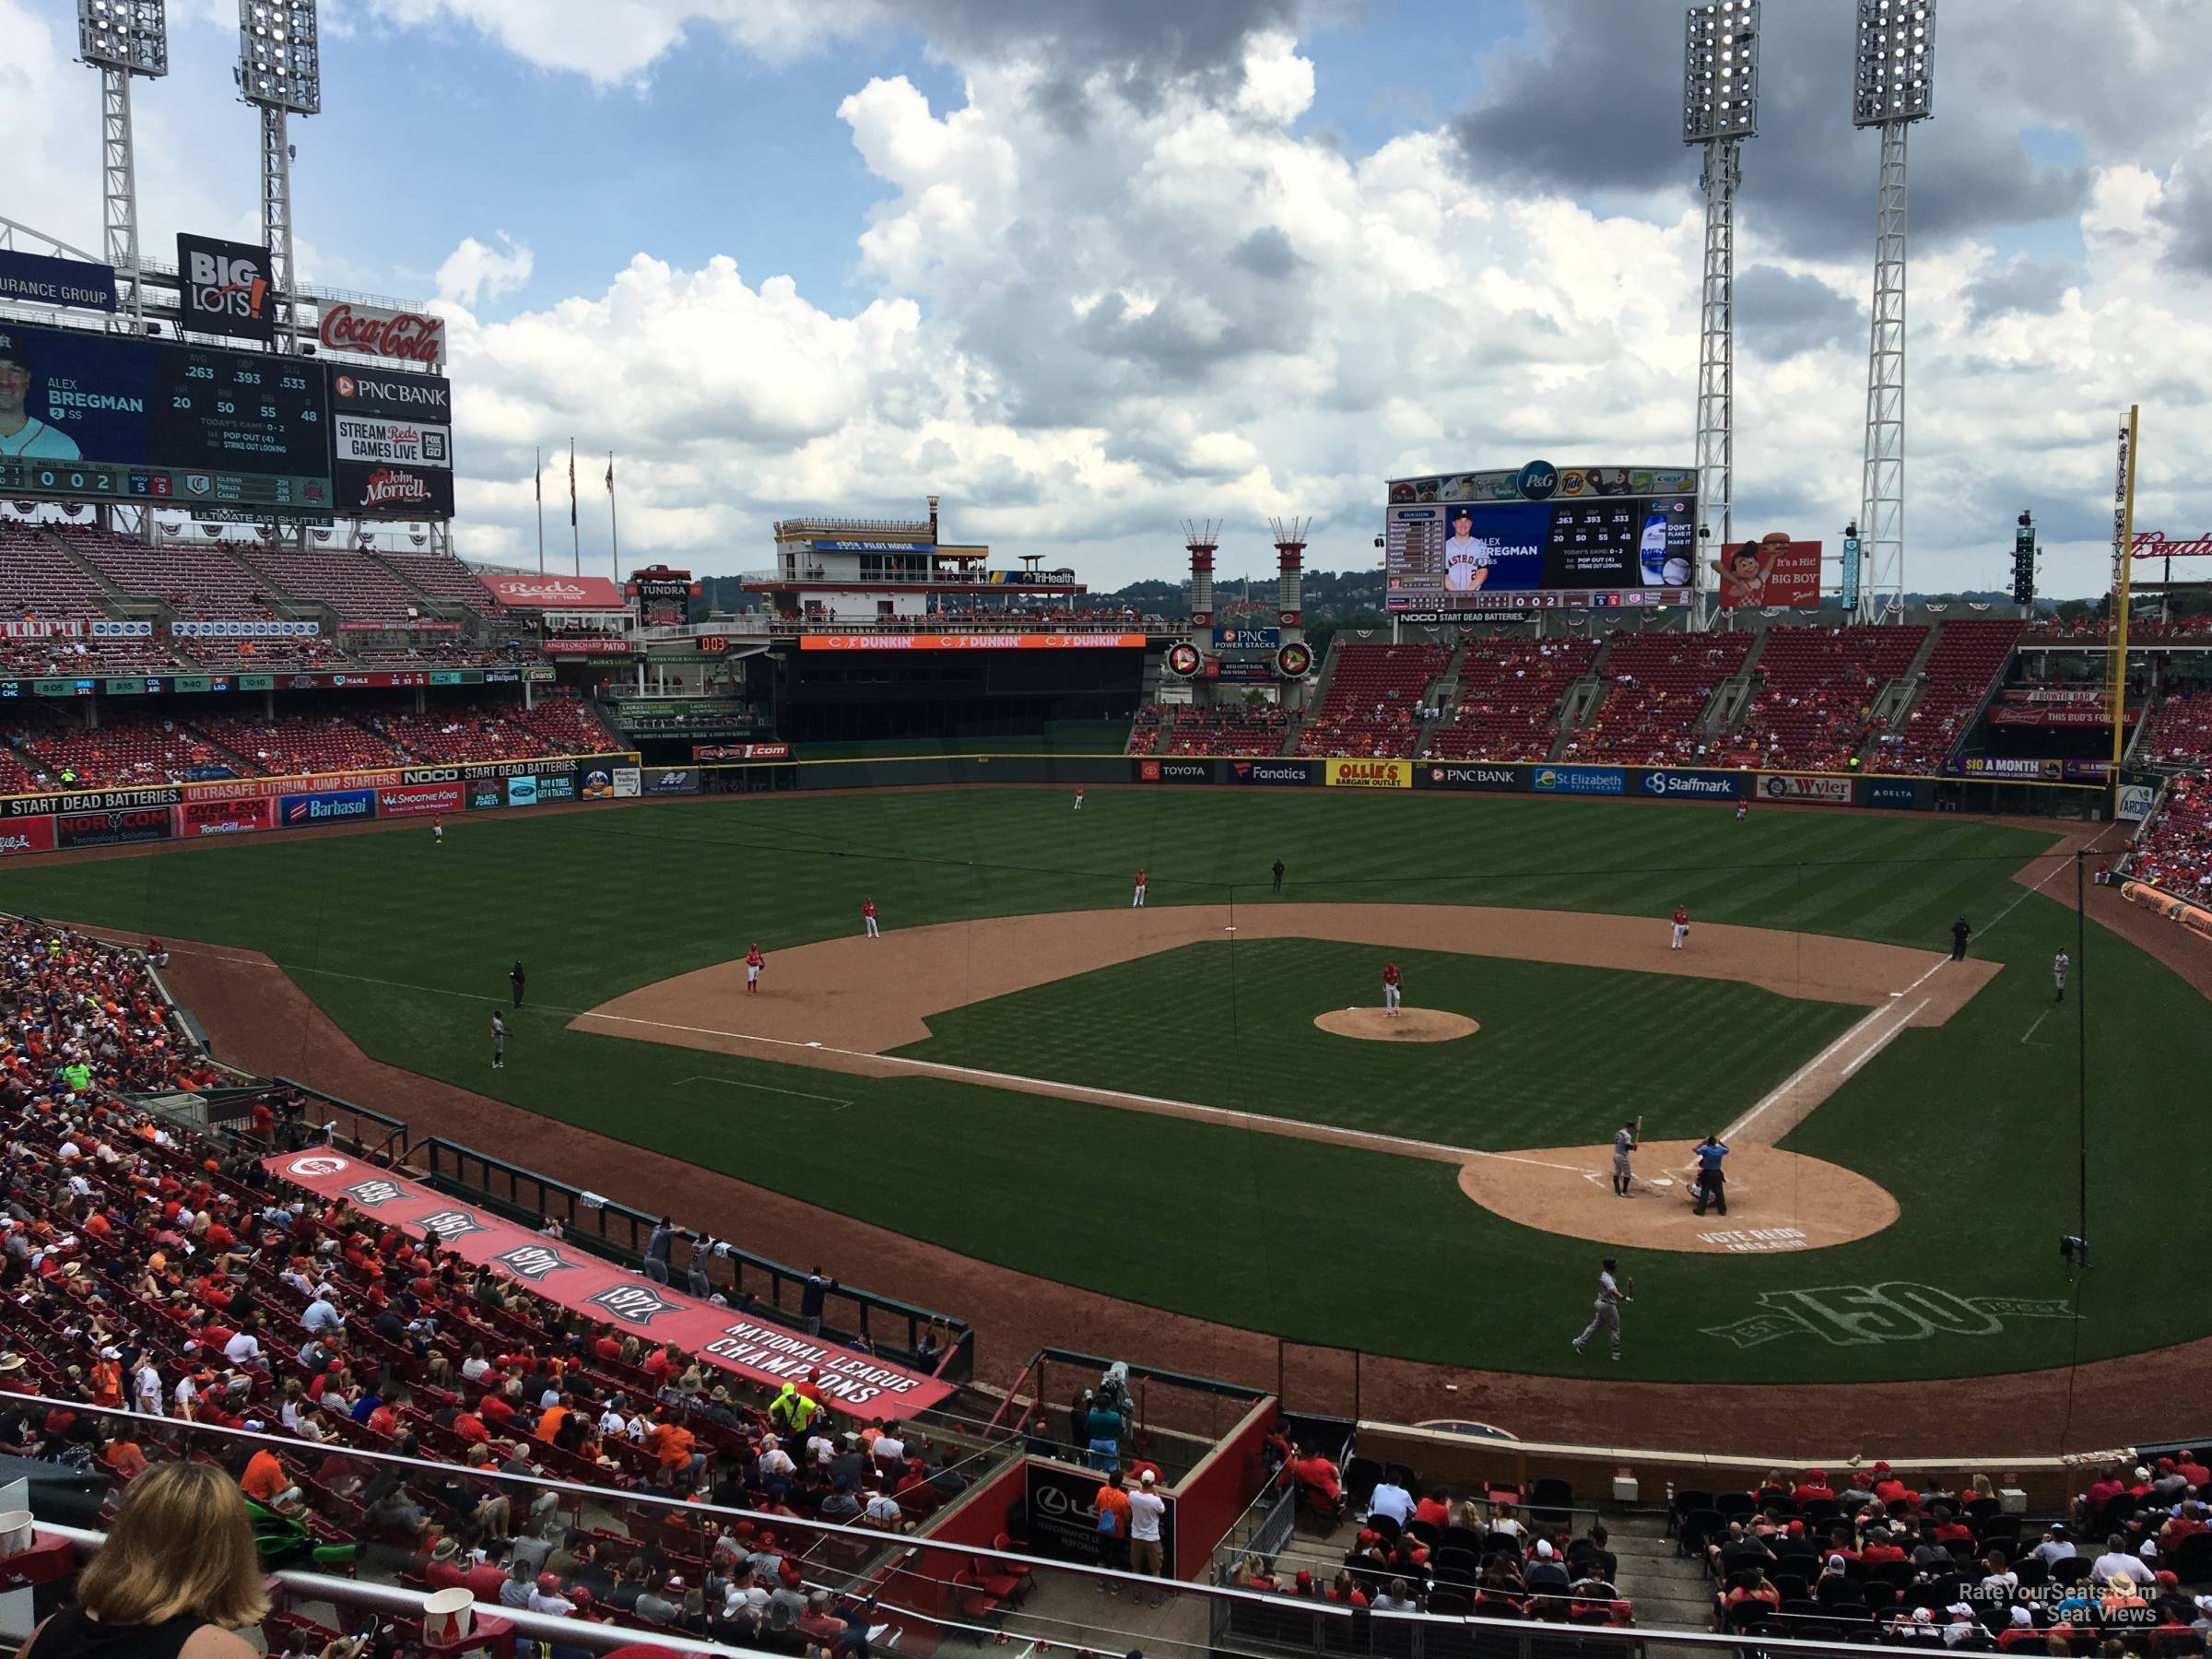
(611, 40)
(473, 272)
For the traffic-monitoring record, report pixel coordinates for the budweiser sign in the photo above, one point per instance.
(407, 336)
(2155, 544)
(388, 487)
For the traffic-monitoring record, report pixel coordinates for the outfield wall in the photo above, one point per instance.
(68, 820)
(2028, 795)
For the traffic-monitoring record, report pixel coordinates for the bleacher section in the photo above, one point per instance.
(1258, 730)
(304, 744)
(2173, 850)
(444, 577)
(1374, 690)
(2180, 731)
(1657, 687)
(1969, 656)
(39, 582)
(566, 723)
(127, 751)
(457, 734)
(194, 581)
(1508, 706)
(1815, 696)
(354, 585)
(1144, 729)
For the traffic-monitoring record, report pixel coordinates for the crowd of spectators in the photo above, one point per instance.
(2180, 731)
(1921, 1564)
(79, 1016)
(2172, 850)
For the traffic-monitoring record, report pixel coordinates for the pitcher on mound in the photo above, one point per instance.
(1390, 989)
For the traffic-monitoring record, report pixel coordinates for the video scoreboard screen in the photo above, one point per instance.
(1539, 538)
(91, 416)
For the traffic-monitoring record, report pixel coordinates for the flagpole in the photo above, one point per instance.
(575, 535)
(614, 532)
(537, 481)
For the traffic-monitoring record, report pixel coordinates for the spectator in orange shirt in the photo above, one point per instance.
(265, 1482)
(673, 1445)
(123, 1455)
(552, 1418)
(1113, 1506)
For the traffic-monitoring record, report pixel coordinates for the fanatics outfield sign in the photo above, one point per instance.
(975, 641)
(858, 1385)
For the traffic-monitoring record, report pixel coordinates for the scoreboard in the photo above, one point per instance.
(1540, 537)
(89, 416)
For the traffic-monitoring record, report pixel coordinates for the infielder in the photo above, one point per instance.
(1624, 1143)
(2059, 964)
(1391, 978)
(1136, 899)
(1681, 927)
(754, 962)
(867, 917)
(1611, 1293)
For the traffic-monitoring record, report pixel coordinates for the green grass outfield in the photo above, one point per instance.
(1972, 1126)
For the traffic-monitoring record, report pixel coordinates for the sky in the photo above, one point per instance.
(1090, 268)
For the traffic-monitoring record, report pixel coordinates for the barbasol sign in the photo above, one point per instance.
(327, 808)
(1693, 785)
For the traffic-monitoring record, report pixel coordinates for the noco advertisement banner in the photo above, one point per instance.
(214, 430)
(1540, 537)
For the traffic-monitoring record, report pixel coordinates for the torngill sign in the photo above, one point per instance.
(410, 336)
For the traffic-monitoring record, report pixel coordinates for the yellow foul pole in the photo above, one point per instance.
(2124, 558)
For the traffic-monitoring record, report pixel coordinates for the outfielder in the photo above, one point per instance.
(867, 915)
(1391, 978)
(754, 962)
(2059, 964)
(1681, 927)
(1078, 797)
(1611, 1293)
(1136, 899)
(1624, 1143)
(499, 1042)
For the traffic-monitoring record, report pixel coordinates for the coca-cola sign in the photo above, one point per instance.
(407, 336)
(2156, 544)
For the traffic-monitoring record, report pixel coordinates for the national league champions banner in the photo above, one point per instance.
(855, 1383)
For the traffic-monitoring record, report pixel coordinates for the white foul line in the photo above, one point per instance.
(1087, 1092)
(799, 1094)
(2038, 1020)
(1886, 1039)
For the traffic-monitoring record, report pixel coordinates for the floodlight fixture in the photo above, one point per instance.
(279, 55)
(1894, 61)
(1720, 71)
(130, 35)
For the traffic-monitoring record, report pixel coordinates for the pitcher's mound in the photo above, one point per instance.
(1411, 1025)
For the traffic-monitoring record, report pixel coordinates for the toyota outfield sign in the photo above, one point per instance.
(1693, 785)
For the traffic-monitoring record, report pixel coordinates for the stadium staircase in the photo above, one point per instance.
(1443, 690)
(1665, 1588)
(1894, 703)
(1581, 701)
(1733, 696)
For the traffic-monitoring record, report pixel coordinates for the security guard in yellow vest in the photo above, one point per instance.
(791, 1410)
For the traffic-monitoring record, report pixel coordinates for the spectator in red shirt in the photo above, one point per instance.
(1812, 1488)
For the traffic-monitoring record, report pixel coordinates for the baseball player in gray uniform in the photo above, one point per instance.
(1624, 1143)
(1611, 1293)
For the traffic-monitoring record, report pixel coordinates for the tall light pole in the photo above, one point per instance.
(121, 39)
(1892, 86)
(1720, 110)
(280, 73)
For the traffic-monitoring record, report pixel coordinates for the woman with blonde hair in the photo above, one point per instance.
(177, 1577)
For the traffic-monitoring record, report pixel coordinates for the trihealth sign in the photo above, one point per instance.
(1367, 774)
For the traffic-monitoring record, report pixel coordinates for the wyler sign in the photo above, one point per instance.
(1367, 774)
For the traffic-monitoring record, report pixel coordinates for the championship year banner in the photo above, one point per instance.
(858, 1385)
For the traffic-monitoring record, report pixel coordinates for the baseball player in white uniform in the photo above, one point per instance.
(1136, 896)
(1391, 987)
(1624, 1143)
(1466, 555)
(2059, 964)
(1611, 1293)
(1681, 927)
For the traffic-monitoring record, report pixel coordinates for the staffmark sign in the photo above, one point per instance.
(1693, 785)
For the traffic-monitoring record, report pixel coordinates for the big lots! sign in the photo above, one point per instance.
(407, 336)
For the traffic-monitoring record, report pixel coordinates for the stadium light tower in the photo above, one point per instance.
(121, 39)
(1720, 110)
(1892, 86)
(280, 73)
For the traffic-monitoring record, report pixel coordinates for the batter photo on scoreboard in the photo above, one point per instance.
(22, 433)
